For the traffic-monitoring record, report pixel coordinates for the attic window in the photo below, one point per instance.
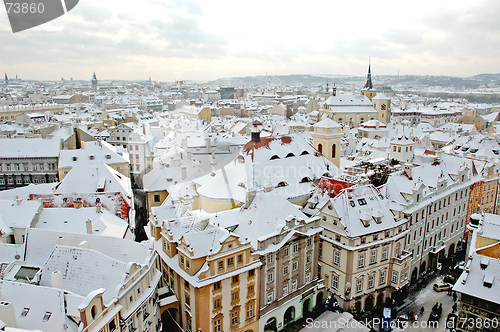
(304, 153)
(274, 157)
(282, 184)
(305, 179)
(362, 201)
(289, 155)
(46, 317)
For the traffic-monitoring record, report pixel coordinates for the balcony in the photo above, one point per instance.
(403, 258)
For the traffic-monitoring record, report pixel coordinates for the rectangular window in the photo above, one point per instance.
(309, 242)
(235, 296)
(234, 318)
(269, 259)
(285, 270)
(251, 273)
(371, 281)
(216, 303)
(294, 284)
(250, 311)
(295, 247)
(394, 278)
(295, 266)
(240, 259)
(286, 251)
(221, 265)
(373, 257)
(285, 289)
(382, 278)
(269, 298)
(217, 326)
(230, 261)
(236, 279)
(270, 277)
(335, 282)
(384, 253)
(217, 285)
(157, 198)
(336, 257)
(359, 285)
(361, 260)
(250, 289)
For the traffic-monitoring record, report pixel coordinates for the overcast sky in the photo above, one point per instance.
(208, 39)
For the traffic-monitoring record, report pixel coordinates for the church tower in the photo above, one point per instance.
(368, 89)
(94, 82)
(382, 104)
(326, 137)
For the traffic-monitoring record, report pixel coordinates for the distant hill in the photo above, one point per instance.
(406, 81)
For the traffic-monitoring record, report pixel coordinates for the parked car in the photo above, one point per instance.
(450, 279)
(442, 286)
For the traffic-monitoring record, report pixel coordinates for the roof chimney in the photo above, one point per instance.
(408, 168)
(98, 208)
(255, 133)
(8, 314)
(61, 240)
(184, 172)
(56, 279)
(88, 223)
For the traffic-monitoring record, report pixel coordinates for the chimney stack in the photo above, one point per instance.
(56, 279)
(89, 226)
(184, 172)
(61, 240)
(98, 208)
(407, 169)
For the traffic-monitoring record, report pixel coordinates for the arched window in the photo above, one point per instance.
(290, 155)
(334, 148)
(305, 179)
(281, 184)
(320, 148)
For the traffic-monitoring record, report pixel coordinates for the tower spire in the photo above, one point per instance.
(369, 84)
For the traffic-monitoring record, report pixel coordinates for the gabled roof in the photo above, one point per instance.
(84, 178)
(363, 210)
(92, 152)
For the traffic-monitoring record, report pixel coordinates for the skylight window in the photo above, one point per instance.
(362, 201)
(25, 312)
(46, 317)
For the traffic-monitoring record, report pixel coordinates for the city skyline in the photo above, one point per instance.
(203, 41)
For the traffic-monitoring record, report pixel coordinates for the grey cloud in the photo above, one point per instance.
(188, 6)
(404, 37)
(92, 13)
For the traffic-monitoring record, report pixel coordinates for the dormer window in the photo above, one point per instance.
(352, 203)
(274, 157)
(362, 201)
(281, 184)
(488, 280)
(289, 155)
